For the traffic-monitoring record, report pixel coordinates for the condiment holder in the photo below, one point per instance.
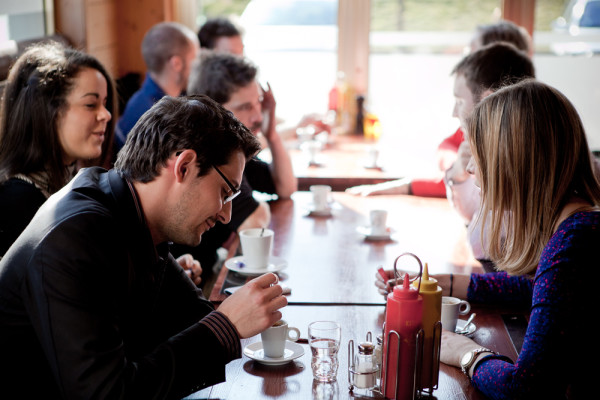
(414, 379)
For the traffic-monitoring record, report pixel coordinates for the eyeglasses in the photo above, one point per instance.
(234, 192)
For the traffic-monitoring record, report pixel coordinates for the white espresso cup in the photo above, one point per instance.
(320, 197)
(372, 157)
(305, 133)
(378, 221)
(256, 247)
(452, 307)
(273, 339)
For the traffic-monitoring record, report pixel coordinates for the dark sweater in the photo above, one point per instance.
(19, 201)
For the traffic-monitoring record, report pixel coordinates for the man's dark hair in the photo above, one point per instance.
(503, 31)
(179, 123)
(219, 75)
(493, 66)
(214, 29)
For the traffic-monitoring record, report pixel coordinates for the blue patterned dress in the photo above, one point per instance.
(559, 358)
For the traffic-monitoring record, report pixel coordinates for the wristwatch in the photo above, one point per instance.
(467, 360)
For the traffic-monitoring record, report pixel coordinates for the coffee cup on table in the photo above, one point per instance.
(305, 133)
(372, 157)
(452, 307)
(256, 247)
(273, 339)
(312, 148)
(378, 220)
(320, 197)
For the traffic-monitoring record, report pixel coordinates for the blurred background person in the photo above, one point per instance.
(168, 49)
(477, 75)
(447, 151)
(221, 35)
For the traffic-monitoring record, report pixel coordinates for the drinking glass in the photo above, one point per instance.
(324, 338)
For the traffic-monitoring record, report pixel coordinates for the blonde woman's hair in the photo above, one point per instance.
(532, 157)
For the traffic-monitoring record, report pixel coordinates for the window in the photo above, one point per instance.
(22, 20)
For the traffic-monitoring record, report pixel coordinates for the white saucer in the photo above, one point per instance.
(255, 351)
(460, 324)
(366, 230)
(236, 264)
(320, 213)
(369, 165)
(373, 166)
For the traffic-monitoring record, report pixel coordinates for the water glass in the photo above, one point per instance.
(324, 338)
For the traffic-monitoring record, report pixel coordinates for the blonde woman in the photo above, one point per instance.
(539, 193)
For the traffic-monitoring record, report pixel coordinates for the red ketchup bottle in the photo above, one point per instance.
(404, 315)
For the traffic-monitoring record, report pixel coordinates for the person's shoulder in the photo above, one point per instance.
(19, 192)
(13, 185)
(260, 177)
(576, 238)
(580, 223)
(140, 102)
(255, 167)
(91, 190)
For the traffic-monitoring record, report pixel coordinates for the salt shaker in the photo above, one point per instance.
(365, 367)
(378, 353)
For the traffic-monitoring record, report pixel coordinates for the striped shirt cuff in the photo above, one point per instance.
(225, 332)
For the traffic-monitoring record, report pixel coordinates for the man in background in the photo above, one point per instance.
(222, 36)
(447, 151)
(168, 49)
(476, 76)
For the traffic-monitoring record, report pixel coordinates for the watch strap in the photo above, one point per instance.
(474, 353)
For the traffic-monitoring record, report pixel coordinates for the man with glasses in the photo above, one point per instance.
(93, 305)
(232, 82)
(234, 191)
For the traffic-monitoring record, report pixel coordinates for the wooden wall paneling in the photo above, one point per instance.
(521, 12)
(101, 32)
(134, 18)
(354, 17)
(111, 30)
(70, 21)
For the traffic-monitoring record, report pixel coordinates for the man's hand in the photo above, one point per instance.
(254, 307)
(192, 268)
(317, 121)
(458, 171)
(384, 287)
(268, 108)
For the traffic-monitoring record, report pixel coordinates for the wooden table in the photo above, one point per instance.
(247, 379)
(329, 262)
(341, 164)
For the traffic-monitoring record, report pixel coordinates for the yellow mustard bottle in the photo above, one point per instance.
(432, 312)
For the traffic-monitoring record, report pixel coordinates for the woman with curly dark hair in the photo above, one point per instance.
(56, 111)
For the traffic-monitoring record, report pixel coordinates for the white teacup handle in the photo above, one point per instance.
(464, 307)
(296, 337)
